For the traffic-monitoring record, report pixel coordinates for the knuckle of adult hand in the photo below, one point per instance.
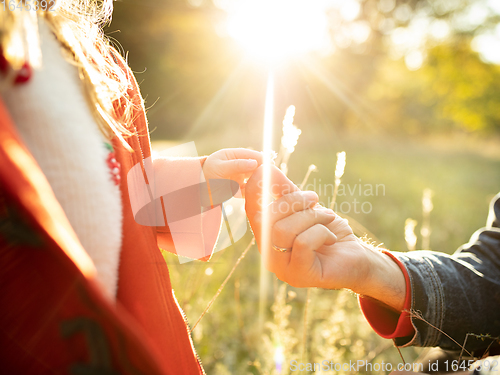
(286, 200)
(321, 230)
(327, 219)
(316, 215)
(342, 221)
(339, 224)
(295, 200)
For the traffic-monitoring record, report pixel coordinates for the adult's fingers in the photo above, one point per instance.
(304, 268)
(279, 185)
(341, 228)
(287, 229)
(277, 210)
(283, 234)
(288, 203)
(290, 200)
(291, 203)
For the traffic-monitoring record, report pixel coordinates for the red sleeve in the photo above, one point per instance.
(386, 322)
(192, 237)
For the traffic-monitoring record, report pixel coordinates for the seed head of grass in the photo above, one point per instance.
(339, 169)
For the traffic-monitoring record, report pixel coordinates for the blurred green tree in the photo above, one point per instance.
(184, 60)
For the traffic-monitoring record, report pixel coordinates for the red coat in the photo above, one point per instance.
(53, 317)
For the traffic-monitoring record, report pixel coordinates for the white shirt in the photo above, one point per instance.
(52, 114)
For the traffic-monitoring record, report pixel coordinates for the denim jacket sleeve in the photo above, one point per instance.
(457, 294)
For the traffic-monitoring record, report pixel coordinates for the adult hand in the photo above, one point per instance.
(324, 252)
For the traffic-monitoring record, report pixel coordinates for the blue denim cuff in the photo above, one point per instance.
(455, 298)
(427, 300)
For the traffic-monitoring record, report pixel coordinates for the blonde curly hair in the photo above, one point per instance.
(77, 24)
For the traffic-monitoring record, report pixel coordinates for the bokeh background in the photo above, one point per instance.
(410, 90)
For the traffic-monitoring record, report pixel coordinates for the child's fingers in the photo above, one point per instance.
(239, 166)
(244, 153)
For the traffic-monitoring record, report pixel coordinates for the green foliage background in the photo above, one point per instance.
(437, 127)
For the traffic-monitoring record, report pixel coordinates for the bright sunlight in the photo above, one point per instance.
(275, 30)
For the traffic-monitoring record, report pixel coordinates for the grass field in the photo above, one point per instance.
(464, 175)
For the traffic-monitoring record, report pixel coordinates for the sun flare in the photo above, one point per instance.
(276, 30)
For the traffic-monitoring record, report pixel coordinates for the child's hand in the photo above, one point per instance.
(235, 164)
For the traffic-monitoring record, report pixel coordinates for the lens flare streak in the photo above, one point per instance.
(266, 188)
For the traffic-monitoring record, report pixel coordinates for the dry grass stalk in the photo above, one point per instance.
(289, 139)
(410, 236)
(418, 315)
(224, 283)
(305, 324)
(281, 340)
(360, 230)
(312, 168)
(339, 172)
(399, 351)
(427, 207)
